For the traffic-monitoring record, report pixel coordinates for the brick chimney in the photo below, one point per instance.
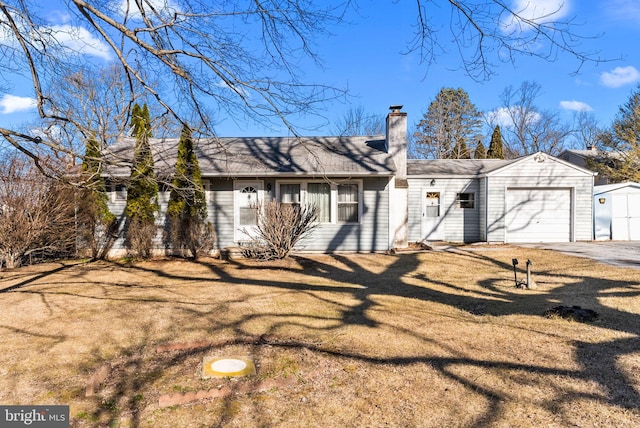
(396, 146)
(396, 142)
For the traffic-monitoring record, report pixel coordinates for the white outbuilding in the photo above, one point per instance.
(616, 212)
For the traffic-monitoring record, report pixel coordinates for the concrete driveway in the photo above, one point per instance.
(617, 253)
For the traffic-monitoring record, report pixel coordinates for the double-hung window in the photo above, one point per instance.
(348, 203)
(336, 202)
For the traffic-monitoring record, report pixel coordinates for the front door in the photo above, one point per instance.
(432, 219)
(248, 197)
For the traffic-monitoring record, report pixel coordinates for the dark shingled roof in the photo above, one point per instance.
(459, 167)
(253, 157)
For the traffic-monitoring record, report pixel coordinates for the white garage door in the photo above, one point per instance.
(538, 215)
(625, 217)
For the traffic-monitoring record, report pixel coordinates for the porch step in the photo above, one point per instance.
(232, 252)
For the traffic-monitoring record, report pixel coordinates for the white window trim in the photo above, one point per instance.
(360, 199)
(238, 185)
(333, 196)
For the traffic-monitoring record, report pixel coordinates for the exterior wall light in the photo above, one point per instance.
(602, 200)
(433, 181)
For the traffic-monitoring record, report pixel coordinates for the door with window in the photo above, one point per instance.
(432, 215)
(248, 198)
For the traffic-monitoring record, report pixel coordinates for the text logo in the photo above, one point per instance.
(34, 416)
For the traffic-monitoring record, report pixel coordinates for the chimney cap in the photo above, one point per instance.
(395, 108)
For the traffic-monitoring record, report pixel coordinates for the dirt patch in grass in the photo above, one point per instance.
(420, 339)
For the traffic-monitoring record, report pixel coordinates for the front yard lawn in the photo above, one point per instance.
(428, 339)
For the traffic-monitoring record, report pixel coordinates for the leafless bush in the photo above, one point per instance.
(37, 214)
(279, 228)
(194, 239)
(139, 237)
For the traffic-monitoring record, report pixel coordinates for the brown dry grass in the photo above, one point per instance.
(428, 339)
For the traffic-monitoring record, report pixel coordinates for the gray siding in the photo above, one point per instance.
(460, 224)
(487, 221)
(117, 207)
(220, 210)
(371, 234)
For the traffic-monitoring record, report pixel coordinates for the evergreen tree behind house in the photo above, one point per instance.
(619, 158)
(460, 150)
(480, 152)
(496, 150)
(451, 120)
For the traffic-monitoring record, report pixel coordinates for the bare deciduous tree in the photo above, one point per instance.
(357, 121)
(37, 215)
(486, 32)
(587, 130)
(528, 129)
(240, 59)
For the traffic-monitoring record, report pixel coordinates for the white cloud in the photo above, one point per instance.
(504, 118)
(14, 104)
(67, 38)
(538, 11)
(51, 132)
(164, 7)
(575, 105)
(79, 40)
(620, 76)
(499, 117)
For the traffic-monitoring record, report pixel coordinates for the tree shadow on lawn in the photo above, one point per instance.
(35, 277)
(599, 362)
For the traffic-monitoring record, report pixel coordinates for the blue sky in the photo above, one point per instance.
(366, 57)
